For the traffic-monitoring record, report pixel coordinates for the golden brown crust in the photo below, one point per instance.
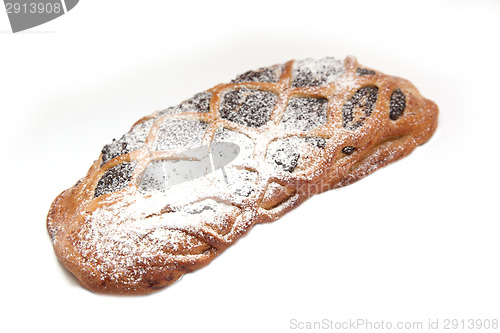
(380, 141)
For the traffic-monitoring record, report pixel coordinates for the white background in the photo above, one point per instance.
(417, 240)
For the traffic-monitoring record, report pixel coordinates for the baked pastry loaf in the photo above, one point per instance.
(187, 182)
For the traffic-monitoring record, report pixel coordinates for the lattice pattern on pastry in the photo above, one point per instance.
(282, 117)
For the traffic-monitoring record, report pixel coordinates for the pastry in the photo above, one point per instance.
(187, 182)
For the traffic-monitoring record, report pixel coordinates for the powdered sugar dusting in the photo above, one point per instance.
(199, 103)
(115, 179)
(240, 181)
(248, 107)
(179, 191)
(266, 74)
(130, 141)
(120, 240)
(286, 154)
(304, 114)
(179, 134)
(310, 72)
(184, 195)
(244, 142)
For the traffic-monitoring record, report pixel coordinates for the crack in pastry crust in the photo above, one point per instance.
(302, 127)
